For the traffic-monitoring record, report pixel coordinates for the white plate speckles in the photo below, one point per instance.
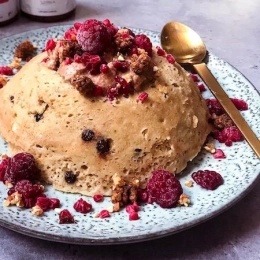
(240, 171)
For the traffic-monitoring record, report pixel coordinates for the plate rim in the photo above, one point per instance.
(124, 240)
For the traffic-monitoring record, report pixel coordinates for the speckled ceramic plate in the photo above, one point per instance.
(240, 170)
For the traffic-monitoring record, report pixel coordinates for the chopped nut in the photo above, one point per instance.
(188, 183)
(8, 184)
(16, 63)
(223, 121)
(116, 207)
(184, 200)
(58, 210)
(37, 211)
(3, 80)
(195, 121)
(210, 148)
(155, 68)
(14, 199)
(121, 58)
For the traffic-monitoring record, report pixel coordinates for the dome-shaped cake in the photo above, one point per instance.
(123, 108)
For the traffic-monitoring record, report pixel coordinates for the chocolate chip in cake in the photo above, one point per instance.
(70, 177)
(12, 99)
(103, 146)
(87, 135)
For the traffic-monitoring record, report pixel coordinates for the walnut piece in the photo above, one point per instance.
(123, 39)
(184, 200)
(83, 84)
(223, 121)
(210, 148)
(124, 192)
(37, 211)
(24, 50)
(14, 199)
(3, 80)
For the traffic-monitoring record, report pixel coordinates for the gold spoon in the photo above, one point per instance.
(187, 48)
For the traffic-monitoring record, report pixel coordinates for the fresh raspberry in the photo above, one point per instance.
(77, 25)
(22, 167)
(65, 217)
(28, 189)
(50, 45)
(143, 42)
(29, 202)
(3, 167)
(164, 188)
(209, 180)
(142, 96)
(98, 197)
(93, 36)
(43, 203)
(219, 154)
(7, 71)
(54, 203)
(228, 135)
(82, 206)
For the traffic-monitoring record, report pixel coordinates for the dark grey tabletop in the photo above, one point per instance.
(231, 30)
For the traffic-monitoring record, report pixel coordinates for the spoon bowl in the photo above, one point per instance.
(185, 43)
(188, 48)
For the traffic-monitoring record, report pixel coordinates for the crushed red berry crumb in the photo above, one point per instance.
(104, 214)
(7, 71)
(142, 96)
(143, 42)
(50, 45)
(104, 68)
(209, 180)
(170, 58)
(65, 217)
(160, 51)
(54, 203)
(43, 203)
(239, 104)
(93, 36)
(133, 215)
(82, 206)
(164, 188)
(194, 77)
(98, 197)
(132, 208)
(3, 167)
(219, 154)
(201, 87)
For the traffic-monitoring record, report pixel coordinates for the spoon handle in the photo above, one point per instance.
(228, 105)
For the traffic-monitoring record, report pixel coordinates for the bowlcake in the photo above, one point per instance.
(99, 102)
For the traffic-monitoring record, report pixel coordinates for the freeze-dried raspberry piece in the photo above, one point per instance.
(82, 206)
(65, 217)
